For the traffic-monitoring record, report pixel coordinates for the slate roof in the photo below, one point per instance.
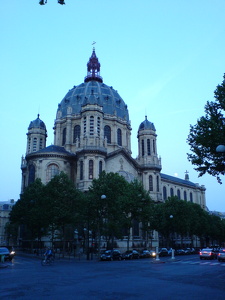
(177, 180)
(53, 148)
(147, 125)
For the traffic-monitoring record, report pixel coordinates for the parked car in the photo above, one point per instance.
(179, 252)
(145, 253)
(7, 253)
(163, 252)
(187, 251)
(130, 254)
(221, 255)
(207, 254)
(111, 255)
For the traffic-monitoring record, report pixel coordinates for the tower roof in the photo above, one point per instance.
(37, 123)
(146, 125)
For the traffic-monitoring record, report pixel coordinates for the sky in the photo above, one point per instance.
(165, 58)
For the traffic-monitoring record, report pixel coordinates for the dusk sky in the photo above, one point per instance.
(165, 59)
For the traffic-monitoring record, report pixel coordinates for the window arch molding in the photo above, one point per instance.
(119, 137)
(107, 133)
(76, 133)
(52, 171)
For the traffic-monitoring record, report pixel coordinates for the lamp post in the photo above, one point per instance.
(76, 242)
(99, 234)
(171, 218)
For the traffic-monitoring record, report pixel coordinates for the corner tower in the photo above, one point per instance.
(36, 136)
(148, 159)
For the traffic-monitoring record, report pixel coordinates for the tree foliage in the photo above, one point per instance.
(187, 219)
(110, 208)
(27, 211)
(207, 134)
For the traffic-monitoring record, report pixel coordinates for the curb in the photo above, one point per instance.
(3, 266)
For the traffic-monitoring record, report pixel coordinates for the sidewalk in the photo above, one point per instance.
(59, 257)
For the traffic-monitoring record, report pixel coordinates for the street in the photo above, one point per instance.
(185, 277)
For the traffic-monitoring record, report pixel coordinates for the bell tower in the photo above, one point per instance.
(36, 136)
(149, 160)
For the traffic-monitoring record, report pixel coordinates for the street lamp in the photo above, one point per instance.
(99, 235)
(171, 217)
(220, 149)
(76, 242)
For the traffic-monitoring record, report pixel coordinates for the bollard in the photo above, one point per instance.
(157, 253)
(173, 254)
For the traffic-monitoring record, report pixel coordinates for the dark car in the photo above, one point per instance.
(111, 255)
(179, 252)
(163, 252)
(187, 251)
(221, 255)
(130, 254)
(8, 254)
(207, 254)
(145, 253)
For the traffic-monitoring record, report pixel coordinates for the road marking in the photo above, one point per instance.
(199, 263)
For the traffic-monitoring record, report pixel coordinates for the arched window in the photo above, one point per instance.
(119, 137)
(98, 126)
(29, 142)
(171, 192)
(76, 133)
(31, 176)
(157, 182)
(164, 193)
(178, 194)
(91, 125)
(191, 197)
(41, 144)
(52, 171)
(34, 144)
(142, 147)
(148, 147)
(154, 146)
(185, 195)
(107, 133)
(150, 183)
(81, 170)
(100, 167)
(85, 125)
(64, 137)
(91, 169)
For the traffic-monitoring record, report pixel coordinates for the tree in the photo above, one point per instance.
(61, 198)
(137, 207)
(207, 134)
(123, 204)
(29, 211)
(105, 213)
(43, 2)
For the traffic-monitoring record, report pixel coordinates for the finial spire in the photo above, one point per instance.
(93, 68)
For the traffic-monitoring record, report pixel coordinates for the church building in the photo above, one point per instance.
(92, 133)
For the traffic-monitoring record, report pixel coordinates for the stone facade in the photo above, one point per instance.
(5, 209)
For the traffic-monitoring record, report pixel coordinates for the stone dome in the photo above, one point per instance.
(38, 123)
(146, 125)
(93, 91)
